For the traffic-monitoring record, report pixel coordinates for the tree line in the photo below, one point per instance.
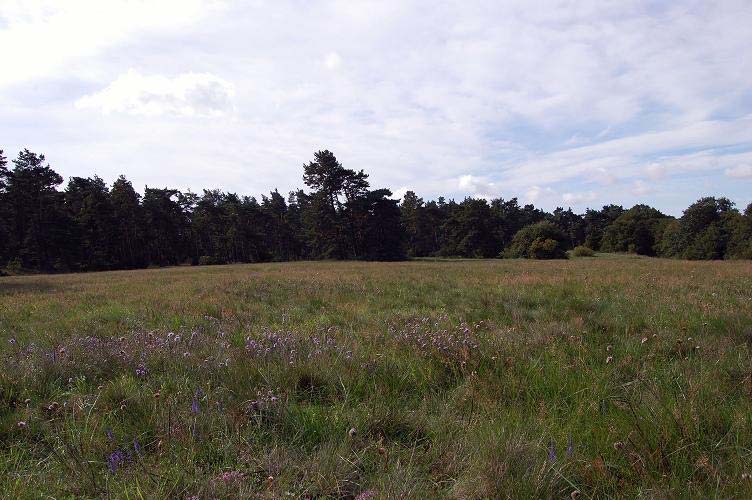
(89, 225)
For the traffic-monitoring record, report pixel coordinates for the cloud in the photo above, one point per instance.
(641, 188)
(579, 198)
(40, 38)
(478, 186)
(740, 172)
(534, 103)
(332, 60)
(536, 194)
(188, 94)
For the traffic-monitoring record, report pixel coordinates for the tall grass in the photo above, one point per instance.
(459, 379)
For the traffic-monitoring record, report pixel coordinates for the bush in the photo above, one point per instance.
(543, 240)
(14, 266)
(583, 251)
(207, 260)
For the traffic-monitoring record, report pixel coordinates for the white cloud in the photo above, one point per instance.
(399, 193)
(478, 187)
(189, 94)
(41, 37)
(332, 60)
(536, 194)
(740, 171)
(526, 102)
(579, 198)
(641, 188)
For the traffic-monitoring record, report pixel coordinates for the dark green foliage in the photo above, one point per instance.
(703, 231)
(596, 222)
(90, 226)
(542, 240)
(421, 223)
(637, 230)
(572, 224)
(740, 235)
(33, 212)
(510, 217)
(469, 230)
(344, 219)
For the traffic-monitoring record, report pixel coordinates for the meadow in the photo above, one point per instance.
(612, 376)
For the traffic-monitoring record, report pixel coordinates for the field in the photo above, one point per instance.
(606, 376)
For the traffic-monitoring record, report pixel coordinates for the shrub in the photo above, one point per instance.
(583, 251)
(543, 240)
(207, 260)
(14, 266)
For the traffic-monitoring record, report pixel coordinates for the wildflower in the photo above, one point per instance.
(195, 406)
(570, 447)
(230, 476)
(352, 432)
(115, 460)
(136, 446)
(27, 401)
(575, 495)
(609, 348)
(110, 435)
(609, 359)
(644, 339)
(551, 452)
(12, 341)
(366, 495)
(746, 476)
(21, 425)
(618, 445)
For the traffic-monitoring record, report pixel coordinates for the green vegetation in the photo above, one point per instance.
(615, 376)
(543, 240)
(89, 226)
(582, 251)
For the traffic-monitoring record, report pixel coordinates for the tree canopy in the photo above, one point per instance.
(90, 225)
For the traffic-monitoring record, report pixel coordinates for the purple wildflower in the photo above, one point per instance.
(136, 446)
(110, 435)
(570, 447)
(551, 452)
(195, 405)
(115, 460)
(366, 495)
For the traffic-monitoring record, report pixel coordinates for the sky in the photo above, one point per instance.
(573, 104)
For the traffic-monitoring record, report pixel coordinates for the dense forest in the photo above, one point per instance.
(89, 225)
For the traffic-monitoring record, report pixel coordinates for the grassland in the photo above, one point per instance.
(460, 379)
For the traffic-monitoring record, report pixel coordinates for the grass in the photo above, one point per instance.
(458, 379)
